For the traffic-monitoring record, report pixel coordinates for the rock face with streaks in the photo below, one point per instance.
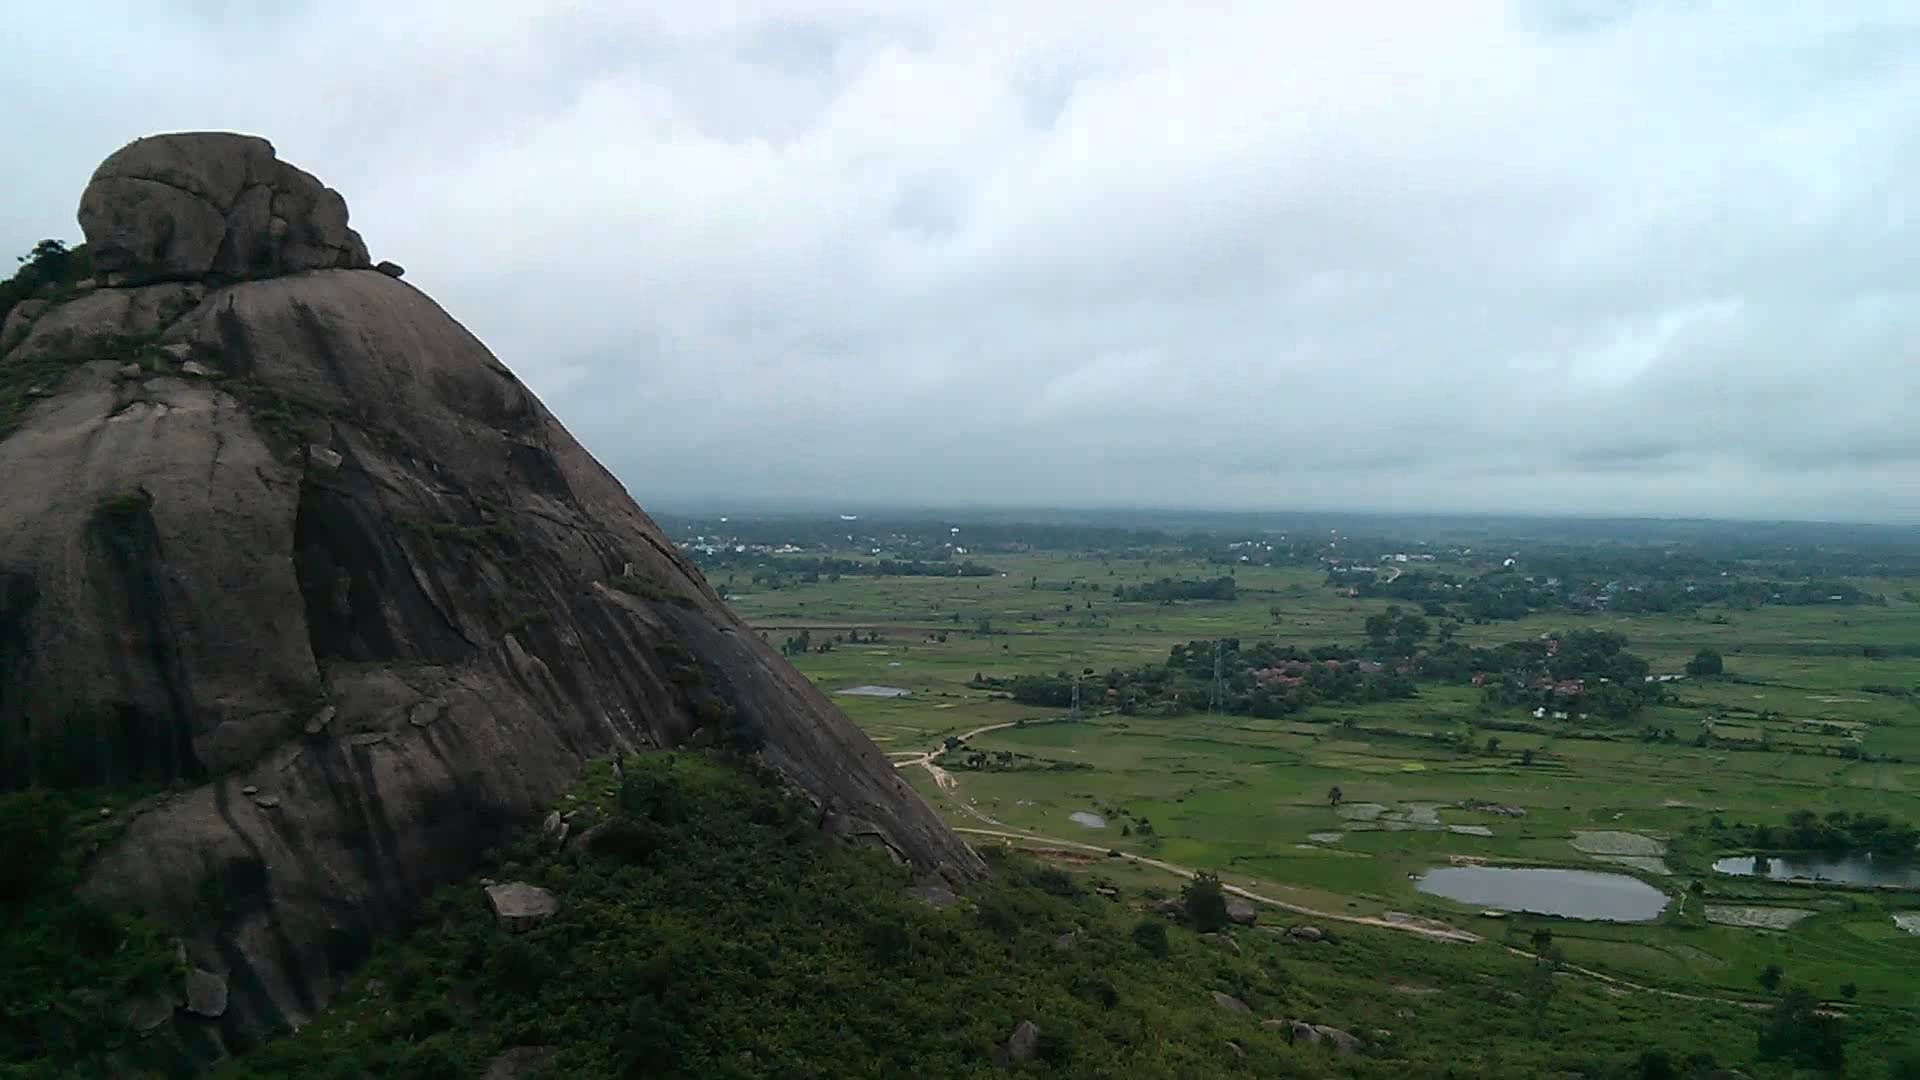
(344, 584)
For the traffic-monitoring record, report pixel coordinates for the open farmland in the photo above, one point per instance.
(1814, 711)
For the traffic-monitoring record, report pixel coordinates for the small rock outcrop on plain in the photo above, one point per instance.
(283, 538)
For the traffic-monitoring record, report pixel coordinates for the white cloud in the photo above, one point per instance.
(1640, 257)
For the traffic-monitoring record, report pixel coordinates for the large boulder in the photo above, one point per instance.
(1024, 1043)
(354, 596)
(205, 991)
(519, 907)
(194, 205)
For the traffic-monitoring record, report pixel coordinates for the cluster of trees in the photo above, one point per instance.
(1837, 832)
(1593, 582)
(1401, 632)
(1587, 671)
(49, 267)
(1259, 679)
(1489, 597)
(1167, 590)
(778, 573)
(802, 643)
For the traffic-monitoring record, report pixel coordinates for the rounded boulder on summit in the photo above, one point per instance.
(355, 563)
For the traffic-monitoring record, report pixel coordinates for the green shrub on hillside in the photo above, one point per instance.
(66, 969)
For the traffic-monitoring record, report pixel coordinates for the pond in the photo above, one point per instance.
(1090, 820)
(1846, 869)
(875, 691)
(1575, 894)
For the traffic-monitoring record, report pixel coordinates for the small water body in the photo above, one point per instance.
(1847, 869)
(1091, 821)
(1574, 894)
(875, 691)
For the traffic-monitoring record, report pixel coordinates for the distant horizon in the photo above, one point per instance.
(799, 507)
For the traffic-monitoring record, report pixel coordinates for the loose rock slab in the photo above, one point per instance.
(1229, 1002)
(934, 896)
(520, 907)
(206, 993)
(519, 1062)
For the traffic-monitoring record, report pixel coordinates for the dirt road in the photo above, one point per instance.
(1433, 931)
(907, 759)
(1424, 928)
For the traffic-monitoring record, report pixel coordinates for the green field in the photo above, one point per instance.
(1242, 796)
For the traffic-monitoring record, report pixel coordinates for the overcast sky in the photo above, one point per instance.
(1588, 256)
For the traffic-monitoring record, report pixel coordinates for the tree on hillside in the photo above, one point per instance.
(1706, 662)
(1770, 978)
(1205, 902)
(1334, 795)
(51, 264)
(1541, 981)
(1799, 1033)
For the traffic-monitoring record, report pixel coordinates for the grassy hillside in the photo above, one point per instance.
(711, 930)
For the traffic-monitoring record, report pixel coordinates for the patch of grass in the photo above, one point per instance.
(647, 588)
(24, 382)
(281, 418)
(121, 508)
(493, 535)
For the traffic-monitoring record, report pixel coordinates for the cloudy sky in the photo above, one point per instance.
(1596, 256)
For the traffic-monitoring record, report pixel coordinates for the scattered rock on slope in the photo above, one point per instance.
(1229, 1002)
(1024, 1043)
(520, 907)
(358, 509)
(518, 1063)
(206, 992)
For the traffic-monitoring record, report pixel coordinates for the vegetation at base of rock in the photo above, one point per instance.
(1204, 903)
(67, 969)
(708, 927)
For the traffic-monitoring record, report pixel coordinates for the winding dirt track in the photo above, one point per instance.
(1428, 929)
(950, 787)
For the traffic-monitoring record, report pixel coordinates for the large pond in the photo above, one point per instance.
(1847, 869)
(1575, 894)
